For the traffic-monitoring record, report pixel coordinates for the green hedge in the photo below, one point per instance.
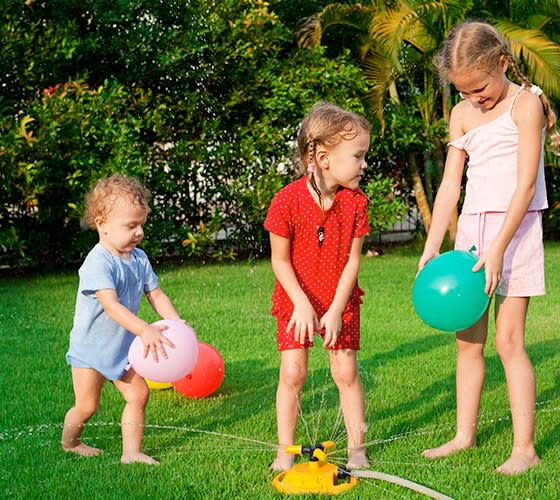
(200, 100)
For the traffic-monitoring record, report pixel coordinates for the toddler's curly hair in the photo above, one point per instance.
(101, 199)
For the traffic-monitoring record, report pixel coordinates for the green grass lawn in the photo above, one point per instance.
(220, 447)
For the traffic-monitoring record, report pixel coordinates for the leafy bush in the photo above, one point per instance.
(68, 137)
(385, 208)
(200, 100)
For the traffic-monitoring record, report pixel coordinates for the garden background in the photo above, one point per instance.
(201, 100)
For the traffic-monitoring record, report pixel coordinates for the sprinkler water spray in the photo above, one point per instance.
(321, 477)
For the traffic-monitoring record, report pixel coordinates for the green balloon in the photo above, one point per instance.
(447, 294)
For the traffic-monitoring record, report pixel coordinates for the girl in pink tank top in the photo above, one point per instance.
(500, 127)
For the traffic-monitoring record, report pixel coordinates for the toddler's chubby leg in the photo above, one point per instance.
(87, 391)
(293, 372)
(135, 393)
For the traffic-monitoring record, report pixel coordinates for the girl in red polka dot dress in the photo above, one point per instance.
(317, 226)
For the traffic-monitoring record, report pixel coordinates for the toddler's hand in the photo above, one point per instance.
(304, 322)
(154, 341)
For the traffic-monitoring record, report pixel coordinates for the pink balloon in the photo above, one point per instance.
(180, 360)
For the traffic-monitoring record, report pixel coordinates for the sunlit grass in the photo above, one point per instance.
(220, 447)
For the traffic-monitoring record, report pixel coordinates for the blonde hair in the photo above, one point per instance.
(478, 45)
(326, 124)
(101, 199)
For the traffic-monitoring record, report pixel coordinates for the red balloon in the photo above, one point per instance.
(205, 377)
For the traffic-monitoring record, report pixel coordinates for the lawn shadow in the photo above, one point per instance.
(412, 348)
(552, 438)
(248, 390)
(539, 353)
(432, 405)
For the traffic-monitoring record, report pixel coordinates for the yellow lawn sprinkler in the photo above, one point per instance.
(316, 475)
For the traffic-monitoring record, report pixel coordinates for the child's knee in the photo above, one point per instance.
(345, 376)
(86, 409)
(293, 375)
(507, 347)
(137, 395)
(470, 351)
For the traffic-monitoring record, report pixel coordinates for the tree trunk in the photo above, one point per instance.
(394, 93)
(420, 195)
(446, 100)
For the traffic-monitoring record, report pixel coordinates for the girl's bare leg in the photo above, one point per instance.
(87, 384)
(469, 382)
(511, 313)
(135, 393)
(344, 369)
(293, 372)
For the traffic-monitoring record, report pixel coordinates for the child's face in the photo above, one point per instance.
(122, 228)
(347, 161)
(483, 89)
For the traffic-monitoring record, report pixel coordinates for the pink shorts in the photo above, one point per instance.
(349, 337)
(523, 267)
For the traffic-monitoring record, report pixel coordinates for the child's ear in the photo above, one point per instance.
(99, 222)
(504, 63)
(322, 155)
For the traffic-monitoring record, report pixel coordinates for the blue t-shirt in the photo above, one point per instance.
(96, 341)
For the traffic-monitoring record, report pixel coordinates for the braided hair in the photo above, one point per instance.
(326, 124)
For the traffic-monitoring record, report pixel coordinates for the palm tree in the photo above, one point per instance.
(396, 43)
(385, 33)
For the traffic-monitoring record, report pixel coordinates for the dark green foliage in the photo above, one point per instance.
(385, 208)
(201, 100)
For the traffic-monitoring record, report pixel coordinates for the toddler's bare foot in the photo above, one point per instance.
(282, 462)
(138, 458)
(83, 450)
(357, 459)
(453, 446)
(517, 463)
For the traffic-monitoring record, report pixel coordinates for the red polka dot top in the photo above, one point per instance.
(294, 214)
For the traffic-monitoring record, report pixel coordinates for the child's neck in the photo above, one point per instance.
(322, 192)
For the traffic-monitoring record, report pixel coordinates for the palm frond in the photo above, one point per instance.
(537, 53)
(378, 71)
(406, 23)
(388, 28)
(309, 32)
(311, 29)
(522, 10)
(418, 35)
